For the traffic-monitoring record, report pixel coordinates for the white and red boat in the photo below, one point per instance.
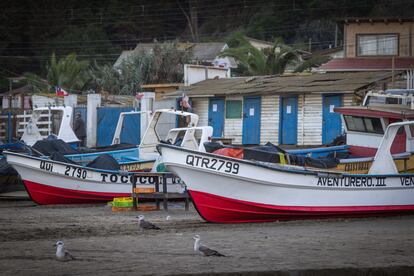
(229, 190)
(53, 182)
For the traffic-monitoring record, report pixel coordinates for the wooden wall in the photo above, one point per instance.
(309, 118)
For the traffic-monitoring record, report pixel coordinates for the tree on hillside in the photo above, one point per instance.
(67, 73)
(164, 64)
(268, 61)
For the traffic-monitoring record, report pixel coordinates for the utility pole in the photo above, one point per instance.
(194, 18)
(310, 45)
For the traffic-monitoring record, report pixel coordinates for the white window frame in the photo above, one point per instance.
(376, 45)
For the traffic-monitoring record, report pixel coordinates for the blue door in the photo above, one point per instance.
(131, 129)
(251, 120)
(107, 120)
(331, 121)
(216, 116)
(288, 129)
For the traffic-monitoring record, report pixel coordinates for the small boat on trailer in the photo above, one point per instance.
(230, 190)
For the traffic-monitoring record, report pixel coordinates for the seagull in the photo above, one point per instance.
(202, 249)
(146, 225)
(168, 217)
(61, 253)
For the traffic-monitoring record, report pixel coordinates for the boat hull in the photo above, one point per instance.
(243, 191)
(53, 182)
(213, 208)
(47, 194)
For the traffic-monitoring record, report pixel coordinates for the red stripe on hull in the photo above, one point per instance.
(219, 209)
(45, 194)
(358, 151)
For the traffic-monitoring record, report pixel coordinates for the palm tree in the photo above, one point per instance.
(268, 61)
(67, 73)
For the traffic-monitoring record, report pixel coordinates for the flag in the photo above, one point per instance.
(185, 101)
(60, 92)
(139, 96)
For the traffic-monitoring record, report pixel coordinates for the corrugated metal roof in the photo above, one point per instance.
(364, 64)
(346, 82)
(207, 51)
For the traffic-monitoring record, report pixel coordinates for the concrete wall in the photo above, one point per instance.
(94, 101)
(197, 73)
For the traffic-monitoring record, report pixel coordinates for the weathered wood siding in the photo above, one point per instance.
(310, 122)
(347, 100)
(269, 130)
(200, 107)
(233, 128)
(309, 118)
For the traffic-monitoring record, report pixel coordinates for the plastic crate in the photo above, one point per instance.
(122, 202)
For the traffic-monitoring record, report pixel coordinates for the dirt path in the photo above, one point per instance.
(107, 243)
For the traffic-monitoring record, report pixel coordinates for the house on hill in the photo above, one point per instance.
(288, 109)
(375, 44)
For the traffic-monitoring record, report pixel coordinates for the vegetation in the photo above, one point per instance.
(164, 64)
(67, 73)
(269, 61)
(97, 31)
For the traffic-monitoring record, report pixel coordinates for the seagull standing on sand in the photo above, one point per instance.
(61, 253)
(146, 225)
(204, 250)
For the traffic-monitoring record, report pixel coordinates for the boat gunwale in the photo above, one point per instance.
(121, 172)
(305, 170)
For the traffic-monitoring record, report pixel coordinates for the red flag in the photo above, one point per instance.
(185, 101)
(60, 92)
(139, 96)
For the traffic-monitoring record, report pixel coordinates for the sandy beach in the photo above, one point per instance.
(107, 243)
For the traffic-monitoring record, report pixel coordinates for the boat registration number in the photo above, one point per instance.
(75, 172)
(212, 164)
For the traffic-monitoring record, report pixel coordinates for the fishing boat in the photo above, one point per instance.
(54, 182)
(130, 157)
(231, 190)
(364, 125)
(50, 120)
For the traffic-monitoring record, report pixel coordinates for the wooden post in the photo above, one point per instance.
(157, 190)
(187, 200)
(164, 191)
(9, 127)
(393, 66)
(134, 194)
